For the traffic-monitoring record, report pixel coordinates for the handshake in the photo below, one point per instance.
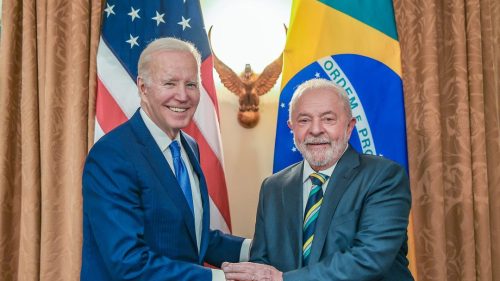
(248, 271)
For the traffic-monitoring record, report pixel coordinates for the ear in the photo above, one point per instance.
(350, 126)
(290, 125)
(141, 85)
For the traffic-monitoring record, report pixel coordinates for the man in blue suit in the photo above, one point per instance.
(338, 215)
(145, 200)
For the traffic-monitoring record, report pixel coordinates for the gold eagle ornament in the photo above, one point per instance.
(248, 86)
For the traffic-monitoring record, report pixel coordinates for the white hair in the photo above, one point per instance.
(165, 44)
(319, 83)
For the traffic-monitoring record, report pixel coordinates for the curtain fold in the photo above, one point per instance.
(451, 80)
(47, 91)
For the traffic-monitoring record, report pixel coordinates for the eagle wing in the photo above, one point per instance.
(268, 77)
(227, 76)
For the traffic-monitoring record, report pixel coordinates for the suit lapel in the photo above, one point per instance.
(192, 152)
(338, 184)
(292, 202)
(159, 165)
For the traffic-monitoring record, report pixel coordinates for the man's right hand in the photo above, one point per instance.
(248, 271)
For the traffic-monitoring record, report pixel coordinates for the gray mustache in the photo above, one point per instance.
(317, 141)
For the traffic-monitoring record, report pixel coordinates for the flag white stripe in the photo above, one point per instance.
(98, 132)
(207, 122)
(216, 219)
(116, 80)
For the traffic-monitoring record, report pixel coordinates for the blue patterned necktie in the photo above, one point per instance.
(313, 207)
(181, 173)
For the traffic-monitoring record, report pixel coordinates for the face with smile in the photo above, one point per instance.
(170, 93)
(321, 127)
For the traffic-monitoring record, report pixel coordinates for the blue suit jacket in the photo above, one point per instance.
(361, 229)
(136, 222)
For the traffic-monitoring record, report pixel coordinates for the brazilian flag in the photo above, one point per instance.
(355, 44)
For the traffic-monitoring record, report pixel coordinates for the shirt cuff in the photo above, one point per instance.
(245, 250)
(218, 275)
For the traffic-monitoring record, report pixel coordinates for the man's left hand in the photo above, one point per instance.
(247, 271)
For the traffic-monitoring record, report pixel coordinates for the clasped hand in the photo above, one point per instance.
(248, 271)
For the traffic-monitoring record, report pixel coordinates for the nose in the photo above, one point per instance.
(181, 93)
(316, 128)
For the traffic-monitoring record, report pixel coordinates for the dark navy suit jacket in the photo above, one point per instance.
(136, 222)
(361, 229)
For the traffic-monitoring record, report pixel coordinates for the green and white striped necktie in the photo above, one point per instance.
(313, 207)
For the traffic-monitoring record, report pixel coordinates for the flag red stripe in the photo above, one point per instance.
(108, 113)
(207, 81)
(214, 173)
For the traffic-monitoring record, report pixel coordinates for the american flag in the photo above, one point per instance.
(127, 29)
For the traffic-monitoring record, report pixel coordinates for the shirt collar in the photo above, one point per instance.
(160, 137)
(308, 171)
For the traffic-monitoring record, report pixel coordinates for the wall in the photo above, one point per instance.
(246, 32)
(248, 155)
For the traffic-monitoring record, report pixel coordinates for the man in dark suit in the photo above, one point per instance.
(145, 201)
(338, 215)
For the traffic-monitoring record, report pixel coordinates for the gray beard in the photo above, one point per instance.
(320, 158)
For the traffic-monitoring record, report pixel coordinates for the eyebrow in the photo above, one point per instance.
(177, 79)
(328, 112)
(321, 114)
(303, 115)
(169, 78)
